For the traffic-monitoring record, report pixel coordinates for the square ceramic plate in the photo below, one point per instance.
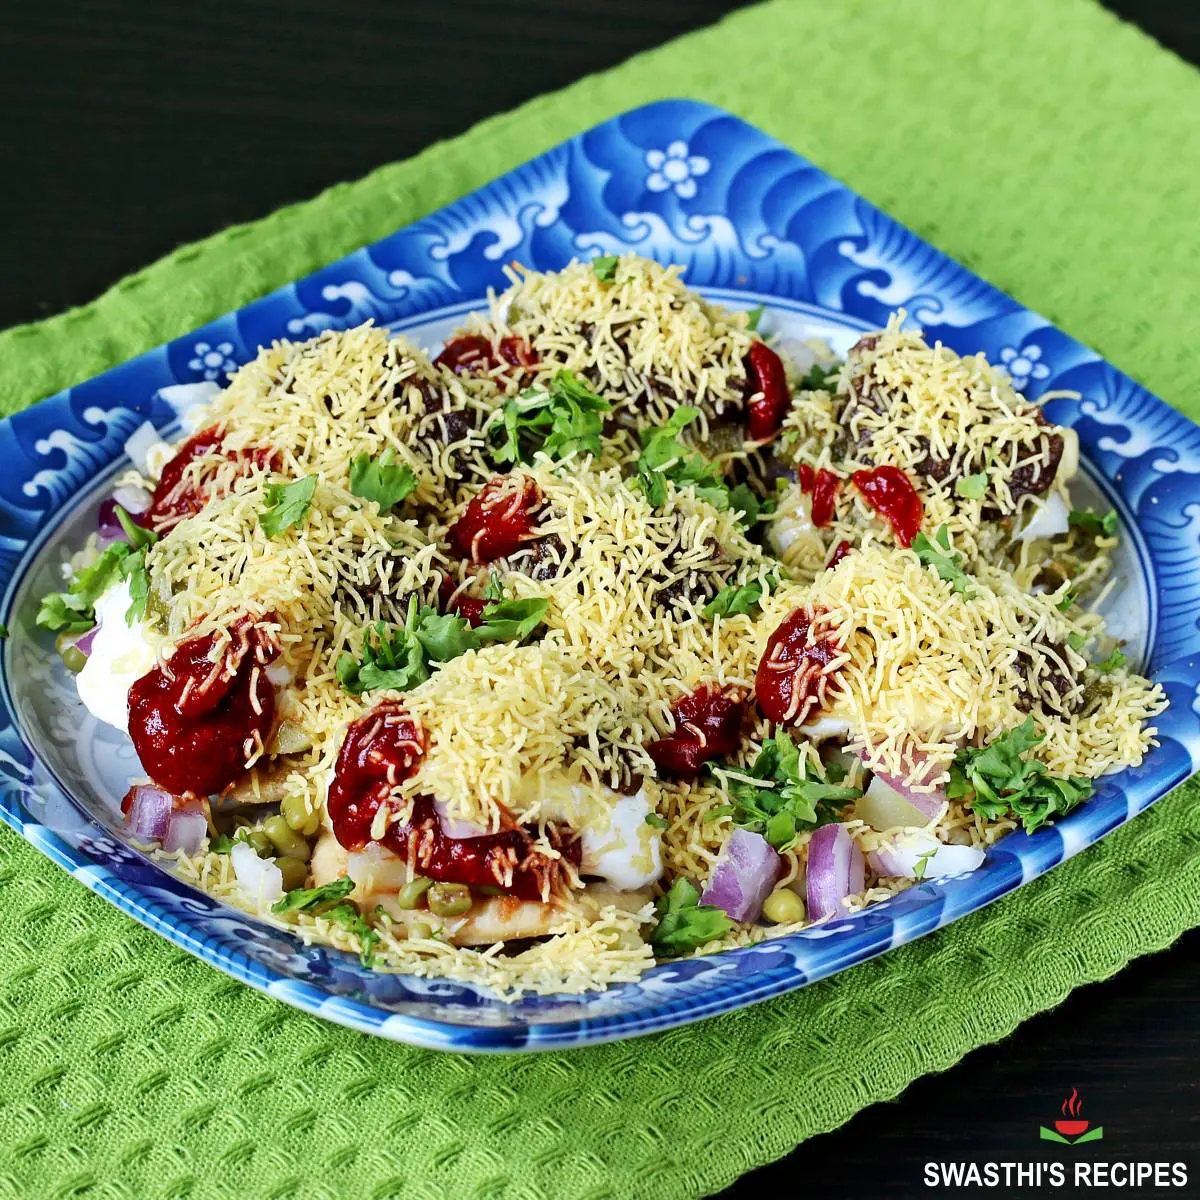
(753, 223)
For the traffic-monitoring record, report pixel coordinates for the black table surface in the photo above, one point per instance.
(154, 115)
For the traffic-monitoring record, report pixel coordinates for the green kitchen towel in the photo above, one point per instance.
(1041, 142)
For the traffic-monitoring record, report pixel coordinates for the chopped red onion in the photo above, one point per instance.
(84, 642)
(836, 869)
(186, 830)
(924, 857)
(258, 877)
(149, 811)
(742, 878)
(138, 445)
(454, 827)
(133, 499)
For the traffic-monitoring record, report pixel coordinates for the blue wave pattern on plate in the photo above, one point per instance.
(681, 182)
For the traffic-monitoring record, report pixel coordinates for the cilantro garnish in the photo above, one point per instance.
(937, 554)
(817, 377)
(402, 657)
(381, 480)
(665, 459)
(656, 822)
(753, 317)
(922, 863)
(604, 267)
(1114, 662)
(347, 915)
(511, 620)
(971, 487)
(74, 611)
(221, 844)
(557, 420)
(287, 505)
(1076, 641)
(330, 904)
(1001, 782)
(311, 900)
(684, 923)
(737, 598)
(1093, 524)
(785, 800)
(1069, 597)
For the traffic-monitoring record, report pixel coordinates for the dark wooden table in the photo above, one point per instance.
(135, 128)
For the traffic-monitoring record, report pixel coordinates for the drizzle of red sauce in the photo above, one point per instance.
(499, 520)
(382, 749)
(468, 607)
(708, 723)
(839, 552)
(194, 722)
(891, 494)
(766, 392)
(791, 679)
(473, 354)
(173, 500)
(824, 486)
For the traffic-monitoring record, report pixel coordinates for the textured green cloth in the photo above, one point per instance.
(1042, 143)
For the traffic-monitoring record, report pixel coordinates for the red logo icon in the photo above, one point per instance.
(1071, 1128)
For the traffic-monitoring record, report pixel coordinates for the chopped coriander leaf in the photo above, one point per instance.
(999, 781)
(738, 598)
(74, 611)
(784, 799)
(922, 863)
(753, 317)
(722, 810)
(972, 487)
(1076, 640)
(1069, 598)
(562, 419)
(381, 480)
(346, 914)
(936, 554)
(742, 499)
(402, 657)
(1093, 524)
(817, 377)
(221, 844)
(511, 620)
(312, 899)
(604, 267)
(684, 923)
(493, 589)
(665, 458)
(287, 505)
(657, 822)
(1113, 662)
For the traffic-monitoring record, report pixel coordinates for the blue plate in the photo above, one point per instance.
(754, 223)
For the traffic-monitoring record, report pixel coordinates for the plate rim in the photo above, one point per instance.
(428, 1031)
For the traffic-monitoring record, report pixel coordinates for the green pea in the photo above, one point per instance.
(260, 843)
(296, 813)
(295, 871)
(73, 658)
(420, 931)
(284, 838)
(783, 907)
(412, 893)
(449, 899)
